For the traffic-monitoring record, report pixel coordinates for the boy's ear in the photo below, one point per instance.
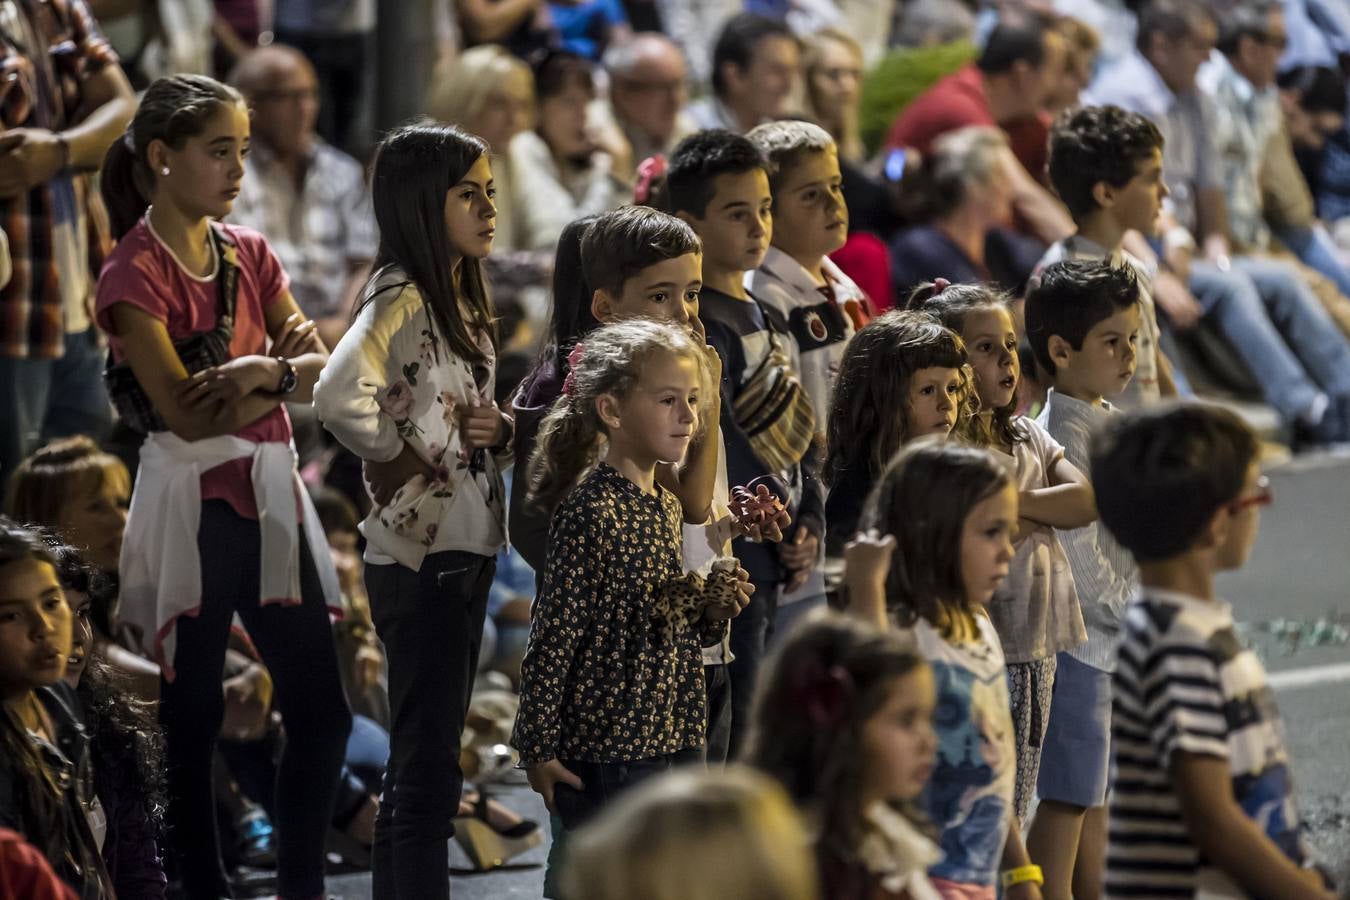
(1060, 351)
(607, 408)
(1215, 533)
(602, 305)
(1104, 195)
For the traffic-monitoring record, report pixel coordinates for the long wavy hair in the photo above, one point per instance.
(869, 411)
(820, 763)
(951, 305)
(40, 796)
(415, 167)
(611, 362)
(125, 737)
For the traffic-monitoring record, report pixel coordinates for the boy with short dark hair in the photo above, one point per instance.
(1082, 323)
(1202, 803)
(718, 182)
(1106, 166)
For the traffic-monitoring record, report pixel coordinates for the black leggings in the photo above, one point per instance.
(296, 644)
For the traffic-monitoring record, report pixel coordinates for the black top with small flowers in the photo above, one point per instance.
(613, 671)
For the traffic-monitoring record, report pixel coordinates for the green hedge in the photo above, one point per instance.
(901, 76)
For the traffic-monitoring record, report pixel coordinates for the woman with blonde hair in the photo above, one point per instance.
(694, 835)
(832, 66)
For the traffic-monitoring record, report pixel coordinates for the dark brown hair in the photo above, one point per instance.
(623, 242)
(172, 110)
(923, 499)
(868, 412)
(820, 764)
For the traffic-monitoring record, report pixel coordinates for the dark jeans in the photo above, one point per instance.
(717, 682)
(749, 634)
(45, 399)
(431, 623)
(296, 645)
(602, 782)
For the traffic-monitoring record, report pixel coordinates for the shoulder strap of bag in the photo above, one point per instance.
(227, 275)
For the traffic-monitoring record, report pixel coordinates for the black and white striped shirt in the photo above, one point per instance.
(1184, 682)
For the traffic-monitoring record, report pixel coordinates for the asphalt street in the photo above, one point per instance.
(1292, 602)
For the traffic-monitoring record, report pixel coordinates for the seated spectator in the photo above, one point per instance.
(489, 92)
(647, 92)
(832, 69)
(521, 27)
(1082, 43)
(338, 37)
(966, 194)
(559, 172)
(588, 27)
(926, 23)
(1312, 99)
(1249, 134)
(1303, 368)
(1008, 84)
(308, 197)
(754, 74)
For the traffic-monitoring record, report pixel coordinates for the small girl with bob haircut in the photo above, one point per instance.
(903, 376)
(844, 720)
(938, 544)
(727, 834)
(410, 390)
(1036, 612)
(612, 687)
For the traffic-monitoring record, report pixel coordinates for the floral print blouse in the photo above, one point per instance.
(613, 671)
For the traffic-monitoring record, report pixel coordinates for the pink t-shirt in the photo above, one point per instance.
(141, 271)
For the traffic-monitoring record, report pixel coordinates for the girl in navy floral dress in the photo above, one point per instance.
(612, 682)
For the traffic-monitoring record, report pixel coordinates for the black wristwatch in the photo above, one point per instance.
(289, 379)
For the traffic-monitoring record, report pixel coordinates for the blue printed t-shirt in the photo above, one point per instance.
(585, 26)
(970, 794)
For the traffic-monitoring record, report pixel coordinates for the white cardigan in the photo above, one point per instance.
(160, 567)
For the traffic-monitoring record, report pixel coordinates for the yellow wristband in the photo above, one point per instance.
(1023, 874)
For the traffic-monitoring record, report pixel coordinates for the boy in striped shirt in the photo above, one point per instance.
(1202, 802)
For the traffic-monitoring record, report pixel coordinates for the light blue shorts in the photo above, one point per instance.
(1076, 755)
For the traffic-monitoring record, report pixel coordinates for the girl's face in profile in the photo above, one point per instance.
(899, 743)
(81, 635)
(986, 544)
(470, 214)
(204, 173)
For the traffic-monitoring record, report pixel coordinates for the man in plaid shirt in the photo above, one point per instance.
(63, 101)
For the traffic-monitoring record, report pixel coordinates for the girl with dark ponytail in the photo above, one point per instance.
(207, 344)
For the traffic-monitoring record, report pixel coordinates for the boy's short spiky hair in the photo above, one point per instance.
(1070, 298)
(1161, 474)
(1097, 143)
(623, 242)
(696, 163)
(785, 142)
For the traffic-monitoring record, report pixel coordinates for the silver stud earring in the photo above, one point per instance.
(164, 171)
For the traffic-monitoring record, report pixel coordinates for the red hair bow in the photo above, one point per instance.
(569, 387)
(650, 171)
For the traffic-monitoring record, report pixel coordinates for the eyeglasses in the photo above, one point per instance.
(1262, 495)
